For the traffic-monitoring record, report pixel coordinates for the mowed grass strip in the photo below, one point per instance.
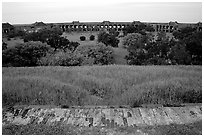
(102, 85)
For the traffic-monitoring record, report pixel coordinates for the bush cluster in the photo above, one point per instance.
(82, 38)
(83, 55)
(4, 45)
(95, 54)
(92, 37)
(186, 50)
(60, 58)
(24, 54)
(16, 33)
(41, 54)
(108, 39)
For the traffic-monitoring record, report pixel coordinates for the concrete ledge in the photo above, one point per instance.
(101, 116)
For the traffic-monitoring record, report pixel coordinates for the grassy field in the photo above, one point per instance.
(102, 85)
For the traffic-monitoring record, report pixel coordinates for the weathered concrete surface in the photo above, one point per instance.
(103, 116)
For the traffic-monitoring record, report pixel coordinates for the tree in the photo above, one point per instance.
(73, 45)
(108, 39)
(24, 54)
(161, 36)
(136, 48)
(139, 28)
(149, 28)
(60, 58)
(179, 55)
(58, 42)
(92, 37)
(194, 46)
(51, 36)
(16, 33)
(193, 41)
(95, 54)
(4, 45)
(114, 32)
(183, 33)
(129, 29)
(143, 50)
(82, 38)
(132, 40)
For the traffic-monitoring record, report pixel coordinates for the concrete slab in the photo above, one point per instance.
(118, 121)
(184, 114)
(129, 115)
(78, 121)
(173, 115)
(70, 120)
(82, 122)
(59, 112)
(40, 119)
(109, 117)
(138, 117)
(148, 116)
(82, 113)
(195, 112)
(161, 117)
(75, 121)
(97, 116)
(118, 117)
(67, 113)
(17, 112)
(25, 112)
(106, 113)
(20, 121)
(76, 112)
(90, 112)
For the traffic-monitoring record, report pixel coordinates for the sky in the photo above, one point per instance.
(100, 10)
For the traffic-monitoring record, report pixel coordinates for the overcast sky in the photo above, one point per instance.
(111, 10)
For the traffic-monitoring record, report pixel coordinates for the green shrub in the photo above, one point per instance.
(73, 45)
(24, 54)
(51, 36)
(132, 40)
(108, 39)
(82, 38)
(95, 54)
(92, 37)
(16, 33)
(60, 58)
(4, 46)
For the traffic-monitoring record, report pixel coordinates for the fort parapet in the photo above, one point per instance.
(97, 26)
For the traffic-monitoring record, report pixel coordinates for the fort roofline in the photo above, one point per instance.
(108, 25)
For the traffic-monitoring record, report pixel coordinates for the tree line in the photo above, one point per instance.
(48, 47)
(184, 48)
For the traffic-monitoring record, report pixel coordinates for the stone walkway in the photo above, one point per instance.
(103, 116)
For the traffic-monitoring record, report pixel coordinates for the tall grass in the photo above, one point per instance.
(102, 85)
